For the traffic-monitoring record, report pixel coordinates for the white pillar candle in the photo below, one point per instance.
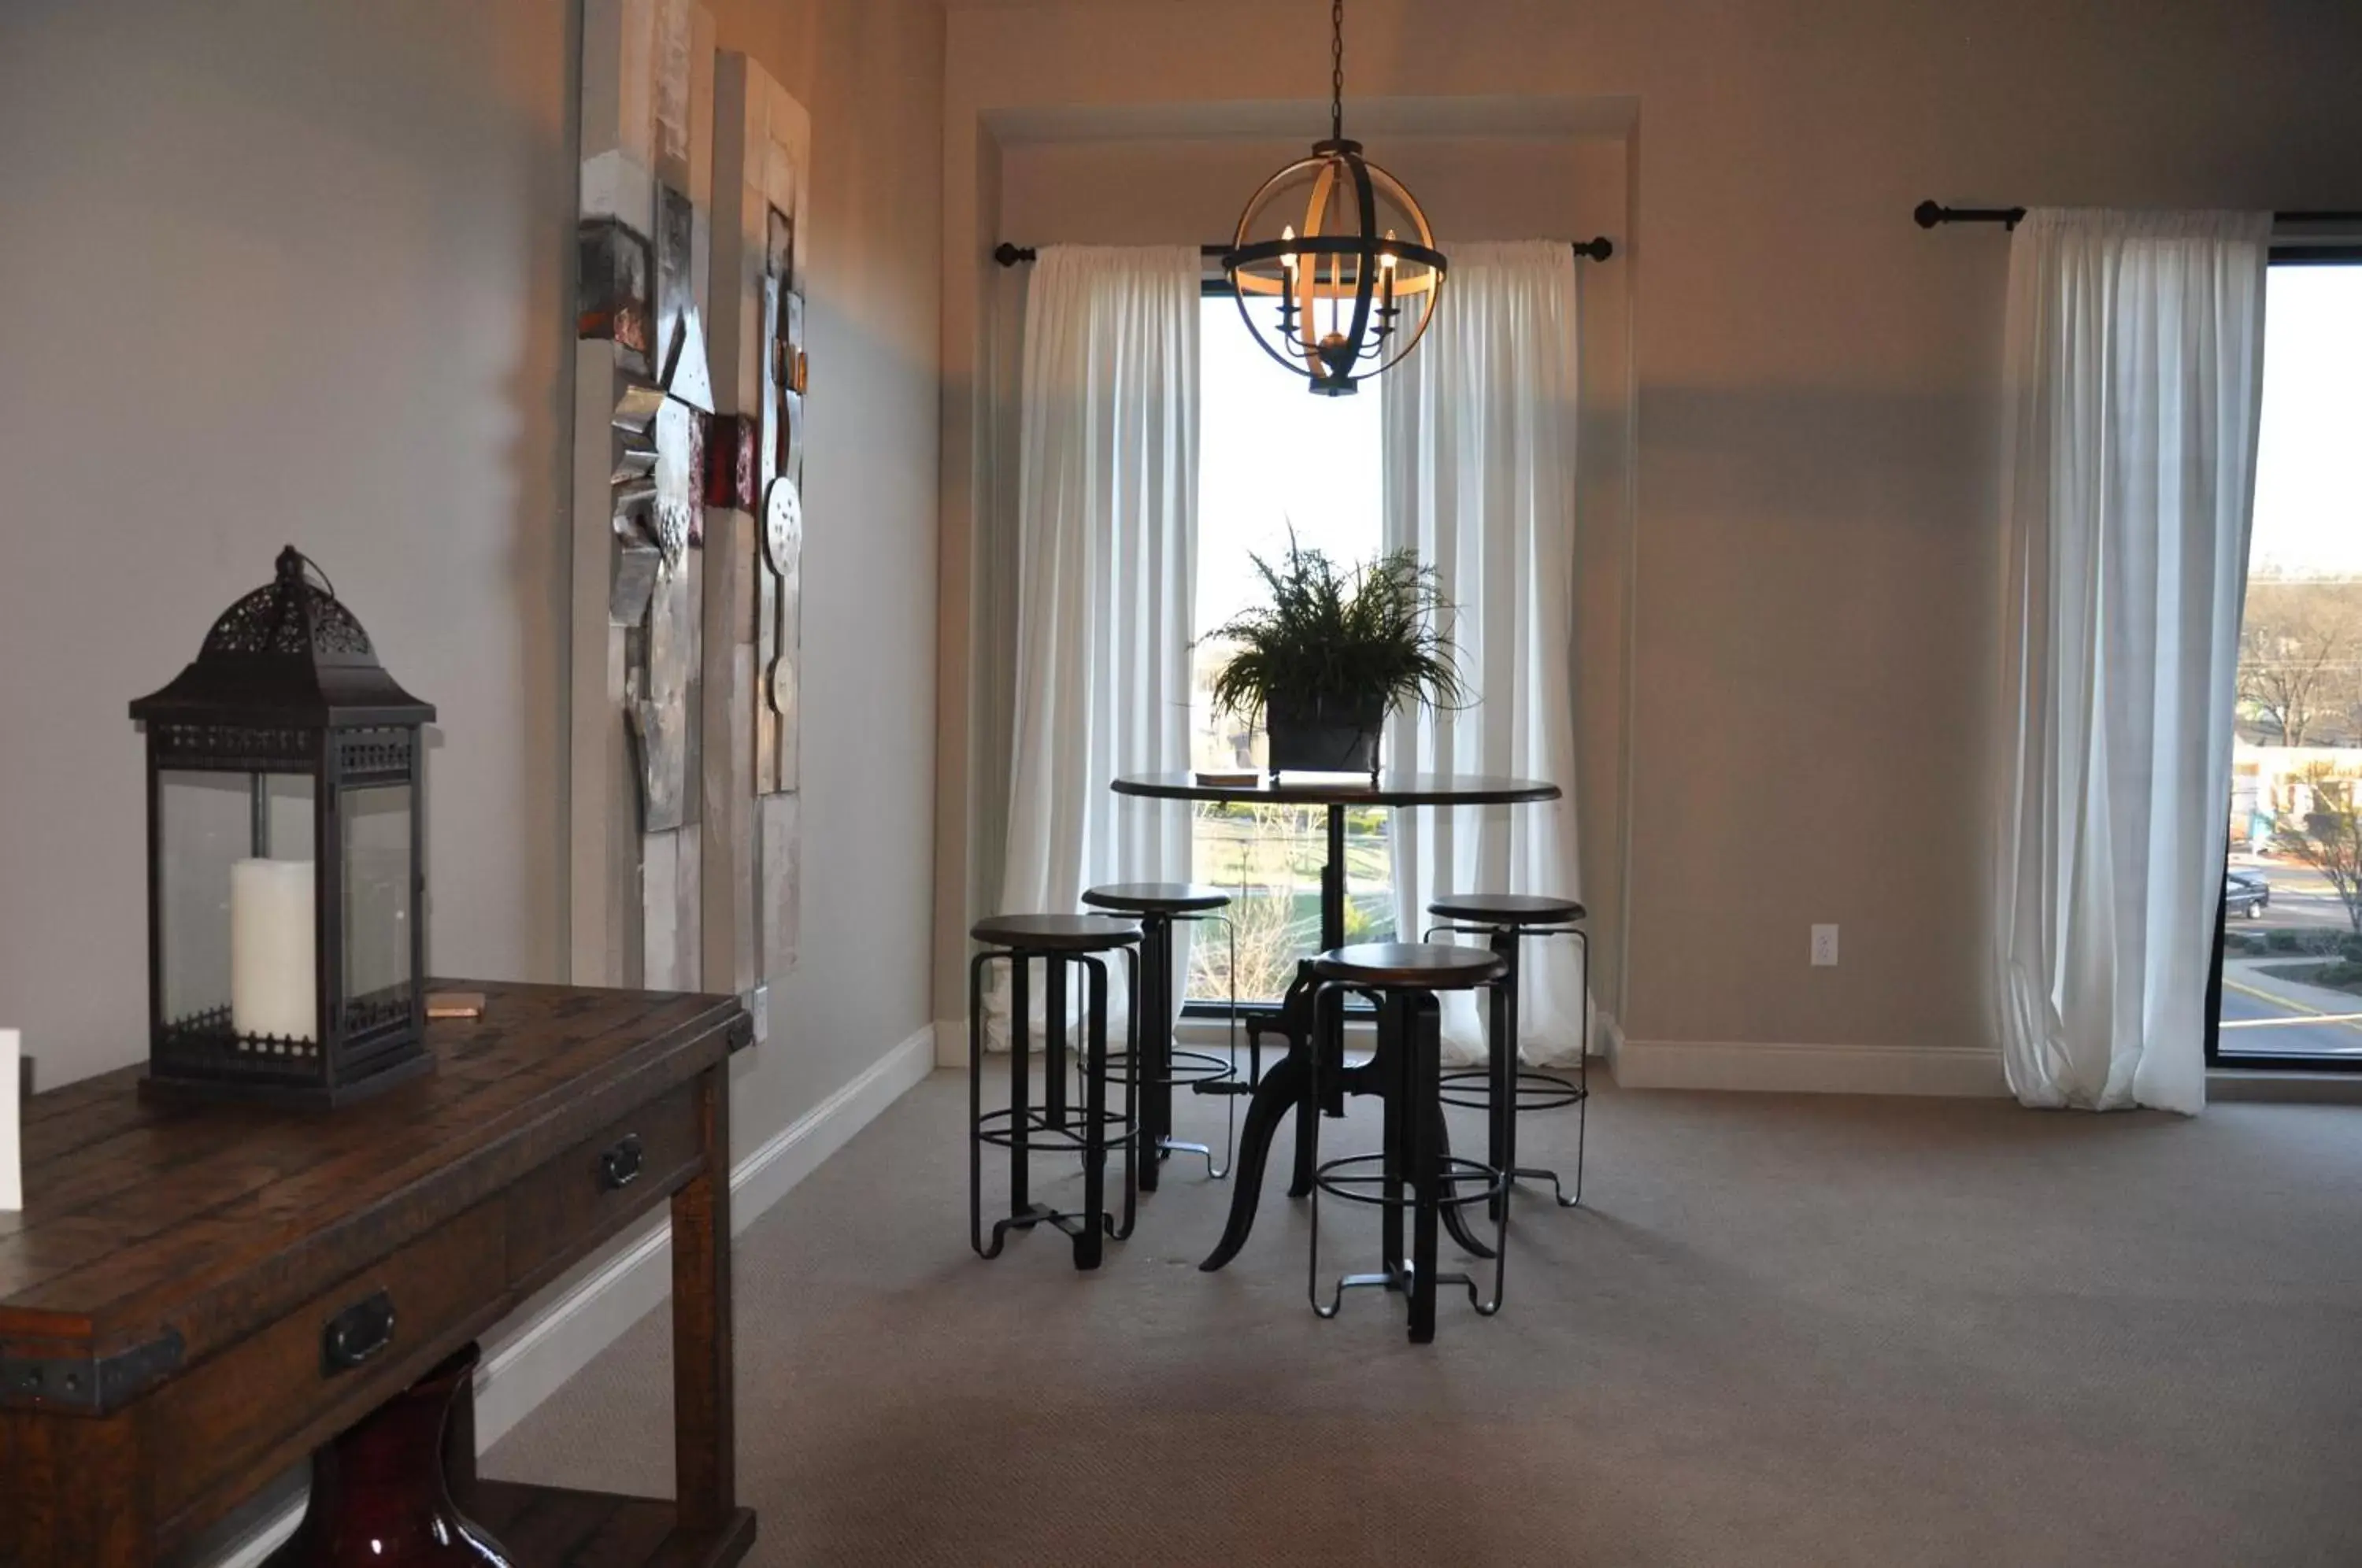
(12, 1171)
(271, 977)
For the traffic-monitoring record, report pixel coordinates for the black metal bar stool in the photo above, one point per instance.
(1503, 1088)
(1058, 941)
(1402, 977)
(1162, 1067)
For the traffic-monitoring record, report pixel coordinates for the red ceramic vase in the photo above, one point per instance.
(379, 1494)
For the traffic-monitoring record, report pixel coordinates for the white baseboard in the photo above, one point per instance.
(533, 1364)
(1808, 1069)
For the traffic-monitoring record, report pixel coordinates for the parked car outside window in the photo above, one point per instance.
(2246, 894)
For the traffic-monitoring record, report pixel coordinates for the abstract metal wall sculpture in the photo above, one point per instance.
(689, 320)
(755, 554)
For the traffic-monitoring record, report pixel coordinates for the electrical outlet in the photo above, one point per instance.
(1824, 946)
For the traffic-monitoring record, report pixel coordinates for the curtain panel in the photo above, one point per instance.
(1106, 574)
(2134, 368)
(1480, 455)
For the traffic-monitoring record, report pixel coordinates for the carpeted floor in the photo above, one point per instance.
(1785, 1330)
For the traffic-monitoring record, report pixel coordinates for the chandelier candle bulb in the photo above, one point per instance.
(271, 955)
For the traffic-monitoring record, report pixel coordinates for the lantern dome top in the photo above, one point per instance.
(288, 653)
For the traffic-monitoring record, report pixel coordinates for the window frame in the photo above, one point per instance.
(2334, 252)
(1357, 1008)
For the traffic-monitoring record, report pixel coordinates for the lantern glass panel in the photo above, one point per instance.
(380, 883)
(235, 910)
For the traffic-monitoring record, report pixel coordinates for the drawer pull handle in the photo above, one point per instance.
(619, 1167)
(357, 1334)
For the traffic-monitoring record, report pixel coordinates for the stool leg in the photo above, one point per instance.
(975, 1107)
(1581, 1077)
(1154, 1034)
(1503, 1114)
(1312, 1278)
(1020, 1070)
(1054, 1040)
(1399, 1112)
(1089, 1240)
(1227, 1083)
(1131, 1094)
(1424, 1050)
(1300, 1012)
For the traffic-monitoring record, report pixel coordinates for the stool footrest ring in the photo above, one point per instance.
(1193, 1069)
(1472, 1089)
(1341, 1178)
(1044, 1136)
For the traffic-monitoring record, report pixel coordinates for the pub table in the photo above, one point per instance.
(1287, 1084)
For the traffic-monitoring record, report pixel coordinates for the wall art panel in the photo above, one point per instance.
(645, 408)
(761, 234)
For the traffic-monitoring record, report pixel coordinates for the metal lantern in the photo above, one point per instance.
(285, 883)
(1334, 267)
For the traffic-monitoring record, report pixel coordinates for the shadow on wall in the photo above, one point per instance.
(1843, 764)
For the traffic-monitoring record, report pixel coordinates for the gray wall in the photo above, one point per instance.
(301, 271)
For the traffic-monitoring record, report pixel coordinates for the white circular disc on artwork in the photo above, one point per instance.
(780, 687)
(783, 525)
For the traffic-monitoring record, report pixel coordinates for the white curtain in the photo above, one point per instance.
(1106, 570)
(1479, 440)
(2134, 381)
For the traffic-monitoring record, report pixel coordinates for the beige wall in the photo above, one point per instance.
(289, 271)
(1816, 381)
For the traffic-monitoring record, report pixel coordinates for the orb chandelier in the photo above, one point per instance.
(1333, 264)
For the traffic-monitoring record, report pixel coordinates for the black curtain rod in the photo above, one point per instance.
(1930, 214)
(1598, 249)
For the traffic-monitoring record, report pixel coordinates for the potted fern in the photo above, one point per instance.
(1332, 653)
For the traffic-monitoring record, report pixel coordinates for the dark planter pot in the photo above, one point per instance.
(1323, 734)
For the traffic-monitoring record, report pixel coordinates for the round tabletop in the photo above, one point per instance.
(1391, 790)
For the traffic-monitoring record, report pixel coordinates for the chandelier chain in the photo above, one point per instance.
(1337, 70)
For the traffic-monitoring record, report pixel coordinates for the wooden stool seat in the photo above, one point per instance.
(1508, 908)
(1425, 966)
(1157, 897)
(1056, 932)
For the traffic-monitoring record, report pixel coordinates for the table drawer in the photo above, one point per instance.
(347, 1350)
(577, 1199)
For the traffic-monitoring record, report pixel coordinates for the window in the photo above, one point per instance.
(1273, 458)
(2291, 954)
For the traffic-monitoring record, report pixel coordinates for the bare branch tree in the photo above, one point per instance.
(2331, 841)
(2301, 654)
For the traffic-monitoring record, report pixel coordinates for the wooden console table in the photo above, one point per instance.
(165, 1294)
